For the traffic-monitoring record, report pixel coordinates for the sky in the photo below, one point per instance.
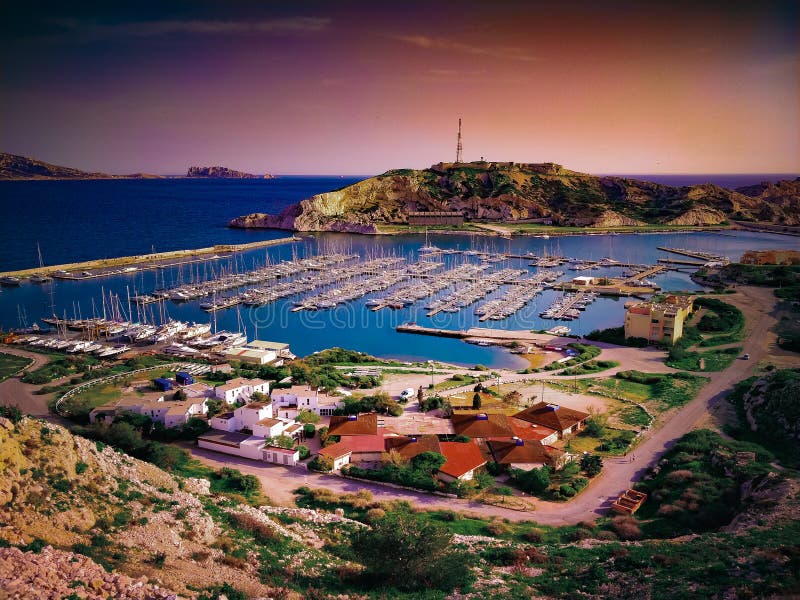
(354, 87)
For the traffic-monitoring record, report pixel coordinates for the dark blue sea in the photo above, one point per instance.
(82, 220)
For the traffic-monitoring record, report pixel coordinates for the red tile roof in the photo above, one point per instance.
(335, 451)
(528, 452)
(530, 431)
(461, 458)
(357, 444)
(409, 447)
(364, 424)
(482, 425)
(552, 416)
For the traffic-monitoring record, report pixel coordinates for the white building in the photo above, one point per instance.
(288, 402)
(170, 413)
(281, 456)
(244, 417)
(240, 389)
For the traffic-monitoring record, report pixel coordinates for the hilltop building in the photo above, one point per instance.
(658, 321)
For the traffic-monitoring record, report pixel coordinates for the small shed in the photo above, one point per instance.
(163, 384)
(184, 378)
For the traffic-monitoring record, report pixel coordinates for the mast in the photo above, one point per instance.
(459, 149)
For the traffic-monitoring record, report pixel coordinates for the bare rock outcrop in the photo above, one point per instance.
(510, 192)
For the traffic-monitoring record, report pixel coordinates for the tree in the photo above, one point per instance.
(304, 452)
(428, 462)
(591, 464)
(309, 430)
(321, 463)
(420, 395)
(179, 395)
(308, 416)
(476, 401)
(596, 424)
(512, 398)
(402, 551)
(282, 441)
(478, 387)
(258, 396)
(534, 481)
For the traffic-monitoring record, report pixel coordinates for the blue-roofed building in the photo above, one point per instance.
(163, 384)
(184, 378)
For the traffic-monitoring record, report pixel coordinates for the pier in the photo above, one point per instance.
(156, 260)
(707, 256)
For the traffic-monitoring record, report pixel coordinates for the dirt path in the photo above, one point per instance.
(595, 500)
(14, 392)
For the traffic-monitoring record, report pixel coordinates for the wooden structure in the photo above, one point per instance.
(628, 502)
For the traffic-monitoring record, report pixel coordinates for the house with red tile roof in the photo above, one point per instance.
(482, 425)
(359, 448)
(525, 454)
(362, 424)
(560, 418)
(463, 459)
(531, 431)
(410, 446)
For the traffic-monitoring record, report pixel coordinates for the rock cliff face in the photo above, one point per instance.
(13, 166)
(511, 192)
(222, 173)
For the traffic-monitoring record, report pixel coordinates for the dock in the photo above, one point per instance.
(678, 261)
(156, 260)
(418, 329)
(707, 256)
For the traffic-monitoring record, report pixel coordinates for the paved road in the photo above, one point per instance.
(595, 500)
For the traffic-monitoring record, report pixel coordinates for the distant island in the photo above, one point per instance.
(13, 166)
(462, 194)
(223, 173)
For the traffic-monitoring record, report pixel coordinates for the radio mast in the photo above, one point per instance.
(459, 157)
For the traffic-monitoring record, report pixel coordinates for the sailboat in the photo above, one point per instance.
(41, 277)
(427, 247)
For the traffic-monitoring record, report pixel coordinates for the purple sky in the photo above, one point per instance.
(361, 87)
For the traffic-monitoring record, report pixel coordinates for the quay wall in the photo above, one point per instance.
(102, 263)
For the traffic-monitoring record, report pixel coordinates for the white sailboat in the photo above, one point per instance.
(40, 278)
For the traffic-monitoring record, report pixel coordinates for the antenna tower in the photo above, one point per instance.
(459, 158)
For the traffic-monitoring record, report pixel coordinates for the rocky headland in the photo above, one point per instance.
(13, 166)
(528, 193)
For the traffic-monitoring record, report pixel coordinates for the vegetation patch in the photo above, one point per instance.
(769, 413)
(11, 364)
(696, 486)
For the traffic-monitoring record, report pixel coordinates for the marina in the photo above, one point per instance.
(256, 292)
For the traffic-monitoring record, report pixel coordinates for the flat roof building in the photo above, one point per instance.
(658, 321)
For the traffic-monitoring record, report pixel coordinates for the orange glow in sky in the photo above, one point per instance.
(358, 88)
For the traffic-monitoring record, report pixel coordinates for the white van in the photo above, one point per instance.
(407, 393)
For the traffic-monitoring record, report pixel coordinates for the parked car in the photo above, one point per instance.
(407, 393)
(745, 357)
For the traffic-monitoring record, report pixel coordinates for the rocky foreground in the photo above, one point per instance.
(514, 192)
(54, 574)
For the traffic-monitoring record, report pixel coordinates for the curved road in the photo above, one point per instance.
(596, 499)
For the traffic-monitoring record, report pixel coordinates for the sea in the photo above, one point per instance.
(73, 221)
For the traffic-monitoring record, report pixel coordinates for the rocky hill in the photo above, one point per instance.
(222, 173)
(512, 192)
(150, 530)
(13, 166)
(79, 519)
